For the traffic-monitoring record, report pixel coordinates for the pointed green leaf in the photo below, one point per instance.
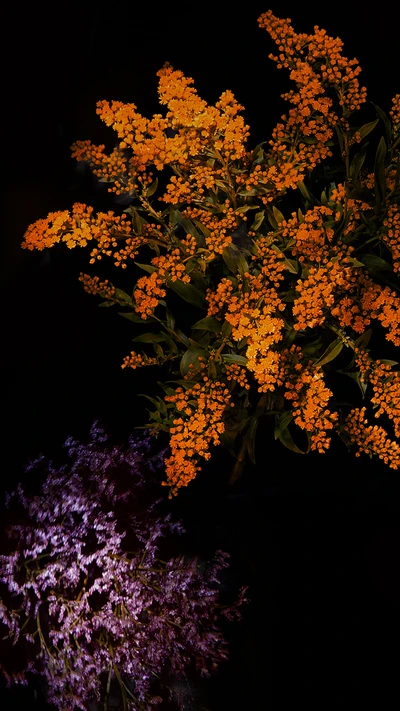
(286, 439)
(379, 171)
(281, 423)
(170, 319)
(372, 261)
(386, 122)
(250, 438)
(258, 220)
(132, 316)
(208, 324)
(106, 304)
(234, 259)
(149, 338)
(358, 162)
(188, 293)
(234, 358)
(191, 357)
(152, 188)
(330, 353)
(367, 128)
(363, 340)
(123, 296)
(278, 215)
(146, 267)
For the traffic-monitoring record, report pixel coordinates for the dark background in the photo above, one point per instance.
(316, 538)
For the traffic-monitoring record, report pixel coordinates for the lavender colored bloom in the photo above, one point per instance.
(94, 604)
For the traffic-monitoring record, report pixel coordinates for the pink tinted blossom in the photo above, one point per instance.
(84, 587)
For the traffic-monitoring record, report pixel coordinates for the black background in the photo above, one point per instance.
(317, 538)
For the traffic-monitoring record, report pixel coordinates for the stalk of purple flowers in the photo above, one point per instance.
(84, 587)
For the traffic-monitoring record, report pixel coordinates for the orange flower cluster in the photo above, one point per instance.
(78, 227)
(238, 374)
(114, 168)
(312, 236)
(218, 232)
(395, 113)
(148, 292)
(250, 314)
(385, 384)
(219, 297)
(170, 266)
(272, 262)
(316, 63)
(201, 424)
(193, 186)
(348, 313)
(317, 293)
(138, 360)
(301, 275)
(371, 439)
(94, 286)
(355, 208)
(383, 304)
(306, 389)
(391, 236)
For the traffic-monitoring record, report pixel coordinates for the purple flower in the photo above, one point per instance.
(93, 601)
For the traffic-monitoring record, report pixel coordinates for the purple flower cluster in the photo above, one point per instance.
(84, 587)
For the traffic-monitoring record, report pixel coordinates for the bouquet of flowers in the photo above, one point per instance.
(85, 594)
(282, 301)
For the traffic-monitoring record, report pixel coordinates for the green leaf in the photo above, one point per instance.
(131, 316)
(158, 350)
(363, 340)
(278, 215)
(182, 336)
(146, 267)
(271, 220)
(234, 259)
(205, 231)
(330, 353)
(123, 296)
(258, 220)
(188, 293)
(234, 358)
(367, 128)
(106, 304)
(385, 361)
(250, 438)
(171, 344)
(372, 261)
(286, 439)
(287, 296)
(245, 208)
(149, 338)
(339, 134)
(258, 153)
(191, 357)
(386, 122)
(292, 266)
(356, 377)
(306, 193)
(226, 329)
(152, 188)
(281, 423)
(379, 172)
(152, 399)
(212, 370)
(170, 320)
(167, 390)
(358, 162)
(208, 324)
